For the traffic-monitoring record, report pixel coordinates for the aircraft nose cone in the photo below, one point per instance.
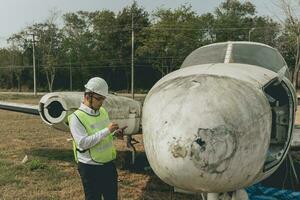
(206, 132)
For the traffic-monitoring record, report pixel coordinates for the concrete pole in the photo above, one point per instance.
(71, 81)
(249, 33)
(33, 63)
(132, 53)
(212, 196)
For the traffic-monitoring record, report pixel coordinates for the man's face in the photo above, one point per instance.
(97, 101)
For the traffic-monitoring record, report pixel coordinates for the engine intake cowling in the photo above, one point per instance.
(54, 108)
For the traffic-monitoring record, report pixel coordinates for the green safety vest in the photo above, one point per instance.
(104, 151)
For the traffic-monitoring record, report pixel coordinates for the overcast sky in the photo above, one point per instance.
(17, 14)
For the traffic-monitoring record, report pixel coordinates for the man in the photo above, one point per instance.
(92, 143)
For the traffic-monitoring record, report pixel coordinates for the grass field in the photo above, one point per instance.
(50, 172)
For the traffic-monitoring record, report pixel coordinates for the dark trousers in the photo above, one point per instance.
(99, 180)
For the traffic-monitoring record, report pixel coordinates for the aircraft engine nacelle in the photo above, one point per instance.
(218, 127)
(54, 108)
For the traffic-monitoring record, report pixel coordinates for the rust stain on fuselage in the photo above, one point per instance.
(178, 151)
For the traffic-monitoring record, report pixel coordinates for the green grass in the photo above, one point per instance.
(42, 169)
(4, 97)
(35, 165)
(36, 169)
(53, 154)
(8, 173)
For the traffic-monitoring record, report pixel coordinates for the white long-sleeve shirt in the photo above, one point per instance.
(82, 139)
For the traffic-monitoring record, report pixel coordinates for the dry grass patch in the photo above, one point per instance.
(50, 172)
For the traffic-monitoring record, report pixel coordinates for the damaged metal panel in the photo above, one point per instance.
(201, 129)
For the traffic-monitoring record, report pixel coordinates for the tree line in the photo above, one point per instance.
(99, 43)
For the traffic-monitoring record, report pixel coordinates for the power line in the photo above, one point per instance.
(16, 67)
(208, 29)
(172, 28)
(124, 66)
(91, 63)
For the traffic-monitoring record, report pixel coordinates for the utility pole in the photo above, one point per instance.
(70, 69)
(33, 63)
(71, 84)
(249, 33)
(132, 53)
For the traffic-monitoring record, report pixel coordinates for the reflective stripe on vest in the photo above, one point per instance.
(104, 151)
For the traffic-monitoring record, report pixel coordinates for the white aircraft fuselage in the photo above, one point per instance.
(217, 127)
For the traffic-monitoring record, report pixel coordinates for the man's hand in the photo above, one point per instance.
(119, 133)
(112, 127)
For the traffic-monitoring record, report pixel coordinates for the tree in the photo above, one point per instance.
(265, 31)
(6, 68)
(122, 44)
(291, 35)
(233, 20)
(12, 66)
(171, 37)
(22, 45)
(49, 46)
(16, 64)
(99, 43)
(238, 21)
(78, 42)
(104, 29)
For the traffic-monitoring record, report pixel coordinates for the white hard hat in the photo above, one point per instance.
(98, 86)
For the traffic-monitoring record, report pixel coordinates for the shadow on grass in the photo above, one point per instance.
(158, 190)
(155, 187)
(124, 162)
(53, 154)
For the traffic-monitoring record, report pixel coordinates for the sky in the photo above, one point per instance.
(17, 14)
